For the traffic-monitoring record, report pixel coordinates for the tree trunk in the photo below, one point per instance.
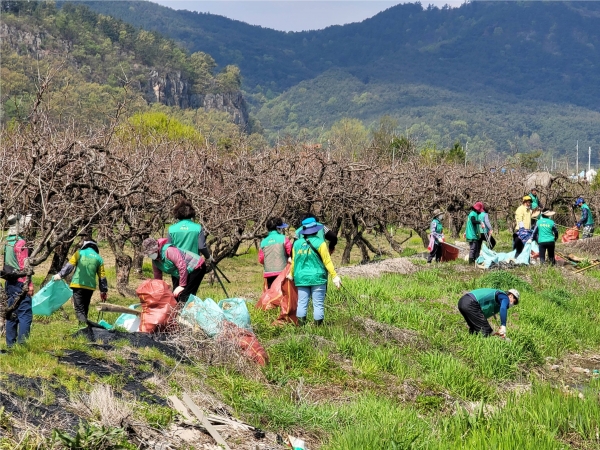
(61, 255)
(393, 243)
(138, 256)
(123, 264)
(348, 247)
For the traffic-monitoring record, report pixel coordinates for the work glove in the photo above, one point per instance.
(337, 282)
(290, 260)
(56, 277)
(177, 291)
(290, 277)
(502, 331)
(211, 260)
(528, 242)
(103, 296)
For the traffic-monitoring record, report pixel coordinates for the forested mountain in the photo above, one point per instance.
(97, 61)
(505, 76)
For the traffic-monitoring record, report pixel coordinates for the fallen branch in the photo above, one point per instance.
(108, 307)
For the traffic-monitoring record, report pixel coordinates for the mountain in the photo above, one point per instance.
(487, 72)
(96, 60)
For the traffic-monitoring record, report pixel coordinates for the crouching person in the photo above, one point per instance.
(88, 264)
(311, 262)
(186, 268)
(479, 305)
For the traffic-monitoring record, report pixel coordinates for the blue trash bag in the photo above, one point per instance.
(525, 255)
(51, 297)
(236, 311)
(204, 313)
(130, 322)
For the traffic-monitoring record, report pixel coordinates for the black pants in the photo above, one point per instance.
(550, 247)
(471, 311)
(474, 250)
(193, 283)
(436, 252)
(517, 244)
(81, 303)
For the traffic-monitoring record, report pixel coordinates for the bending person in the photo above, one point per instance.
(479, 305)
(275, 250)
(187, 269)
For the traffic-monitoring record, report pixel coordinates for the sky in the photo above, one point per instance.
(294, 15)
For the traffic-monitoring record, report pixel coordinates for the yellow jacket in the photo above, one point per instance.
(523, 214)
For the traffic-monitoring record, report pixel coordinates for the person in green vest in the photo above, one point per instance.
(324, 233)
(535, 206)
(486, 228)
(473, 232)
(311, 262)
(88, 264)
(18, 324)
(275, 250)
(587, 220)
(545, 234)
(186, 268)
(479, 305)
(436, 236)
(186, 234)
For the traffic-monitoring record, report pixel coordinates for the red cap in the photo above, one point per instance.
(478, 207)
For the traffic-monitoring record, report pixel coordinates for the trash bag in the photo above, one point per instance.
(131, 322)
(572, 234)
(158, 305)
(488, 257)
(245, 340)
(203, 313)
(525, 255)
(236, 311)
(283, 293)
(51, 297)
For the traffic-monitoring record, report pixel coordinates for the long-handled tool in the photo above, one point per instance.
(215, 267)
(588, 267)
(216, 272)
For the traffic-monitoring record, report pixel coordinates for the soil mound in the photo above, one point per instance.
(590, 245)
(375, 269)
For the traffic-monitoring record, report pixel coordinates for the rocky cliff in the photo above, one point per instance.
(172, 90)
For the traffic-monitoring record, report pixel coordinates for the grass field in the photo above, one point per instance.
(394, 367)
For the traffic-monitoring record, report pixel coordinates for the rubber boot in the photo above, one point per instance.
(301, 321)
(471, 261)
(318, 323)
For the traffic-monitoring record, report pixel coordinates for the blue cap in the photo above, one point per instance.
(309, 221)
(283, 225)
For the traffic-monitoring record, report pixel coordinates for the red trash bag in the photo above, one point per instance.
(158, 305)
(449, 252)
(245, 340)
(282, 293)
(572, 234)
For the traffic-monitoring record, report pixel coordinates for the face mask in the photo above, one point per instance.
(153, 255)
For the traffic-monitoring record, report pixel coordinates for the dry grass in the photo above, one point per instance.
(375, 269)
(102, 405)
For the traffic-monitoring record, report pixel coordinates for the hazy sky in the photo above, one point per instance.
(294, 15)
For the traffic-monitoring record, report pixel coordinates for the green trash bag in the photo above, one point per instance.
(204, 313)
(236, 311)
(51, 297)
(131, 322)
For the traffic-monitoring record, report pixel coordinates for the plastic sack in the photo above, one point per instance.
(245, 340)
(572, 234)
(51, 297)
(158, 305)
(488, 257)
(131, 322)
(525, 255)
(283, 293)
(203, 313)
(236, 311)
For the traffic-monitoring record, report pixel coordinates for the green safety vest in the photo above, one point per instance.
(480, 218)
(487, 300)
(309, 269)
(184, 235)
(545, 233)
(472, 231)
(590, 219)
(87, 269)
(273, 247)
(166, 265)
(10, 259)
(438, 226)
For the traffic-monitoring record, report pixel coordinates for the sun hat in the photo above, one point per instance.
(149, 246)
(283, 225)
(478, 207)
(515, 293)
(310, 227)
(437, 212)
(548, 213)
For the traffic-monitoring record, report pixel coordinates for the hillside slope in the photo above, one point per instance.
(486, 73)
